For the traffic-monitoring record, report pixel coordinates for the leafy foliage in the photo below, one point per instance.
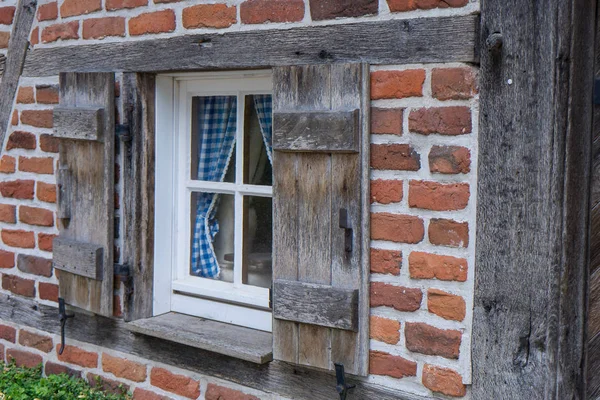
(18, 383)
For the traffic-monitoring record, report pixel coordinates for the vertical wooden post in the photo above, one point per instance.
(533, 194)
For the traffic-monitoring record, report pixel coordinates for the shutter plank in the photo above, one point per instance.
(81, 123)
(83, 259)
(91, 166)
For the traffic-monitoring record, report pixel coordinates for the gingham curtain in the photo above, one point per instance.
(216, 138)
(263, 103)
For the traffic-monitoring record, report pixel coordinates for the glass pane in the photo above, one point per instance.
(213, 138)
(258, 241)
(213, 228)
(257, 132)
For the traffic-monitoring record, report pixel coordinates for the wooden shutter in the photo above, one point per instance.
(320, 298)
(83, 252)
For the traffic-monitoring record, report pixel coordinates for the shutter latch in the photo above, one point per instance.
(346, 224)
(341, 387)
(63, 316)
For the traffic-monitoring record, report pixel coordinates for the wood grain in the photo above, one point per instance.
(81, 123)
(532, 200)
(15, 59)
(83, 259)
(408, 41)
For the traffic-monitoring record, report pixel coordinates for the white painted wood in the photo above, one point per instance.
(230, 188)
(244, 294)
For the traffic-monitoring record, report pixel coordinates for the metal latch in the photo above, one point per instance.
(63, 316)
(346, 224)
(341, 387)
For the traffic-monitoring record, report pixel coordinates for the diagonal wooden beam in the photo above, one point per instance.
(13, 66)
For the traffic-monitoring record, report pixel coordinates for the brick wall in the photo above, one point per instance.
(424, 157)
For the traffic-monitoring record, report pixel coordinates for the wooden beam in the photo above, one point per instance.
(83, 259)
(532, 205)
(286, 380)
(419, 40)
(17, 49)
(79, 123)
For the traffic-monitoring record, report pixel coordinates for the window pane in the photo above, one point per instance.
(257, 140)
(258, 241)
(213, 138)
(213, 228)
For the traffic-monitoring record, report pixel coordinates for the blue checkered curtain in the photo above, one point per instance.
(216, 139)
(263, 103)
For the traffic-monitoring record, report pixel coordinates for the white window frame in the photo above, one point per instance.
(175, 290)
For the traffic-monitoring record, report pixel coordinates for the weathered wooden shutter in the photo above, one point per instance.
(320, 299)
(83, 252)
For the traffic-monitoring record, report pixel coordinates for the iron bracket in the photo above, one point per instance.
(341, 387)
(63, 316)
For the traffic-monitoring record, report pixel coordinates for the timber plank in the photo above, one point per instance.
(84, 259)
(81, 123)
(409, 41)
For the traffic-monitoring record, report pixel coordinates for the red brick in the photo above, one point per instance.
(443, 120)
(66, 31)
(453, 83)
(18, 238)
(46, 192)
(178, 384)
(397, 84)
(4, 39)
(446, 305)
(166, 1)
(141, 394)
(75, 355)
(18, 285)
(23, 358)
(216, 392)
(331, 9)
(48, 12)
(7, 164)
(107, 385)
(37, 118)
(46, 94)
(385, 330)
(209, 16)
(56, 369)
(443, 380)
(381, 363)
(48, 291)
(430, 266)
(154, 22)
(119, 4)
(25, 95)
(410, 5)
(386, 261)
(427, 339)
(99, 28)
(397, 297)
(34, 38)
(49, 143)
(438, 196)
(45, 241)
(123, 368)
(262, 11)
(7, 14)
(19, 189)
(386, 121)
(446, 232)
(397, 228)
(8, 333)
(117, 310)
(37, 341)
(15, 118)
(70, 8)
(398, 157)
(7, 259)
(8, 213)
(2, 358)
(38, 165)
(450, 160)
(386, 191)
(21, 140)
(34, 265)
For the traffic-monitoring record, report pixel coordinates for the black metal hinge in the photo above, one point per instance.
(597, 91)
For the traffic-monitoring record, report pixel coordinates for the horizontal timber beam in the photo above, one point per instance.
(275, 377)
(410, 41)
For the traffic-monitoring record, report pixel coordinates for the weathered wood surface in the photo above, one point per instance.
(409, 41)
(316, 131)
(138, 93)
(91, 166)
(80, 123)
(290, 381)
(13, 64)
(313, 304)
(533, 191)
(230, 340)
(83, 259)
(64, 185)
(308, 245)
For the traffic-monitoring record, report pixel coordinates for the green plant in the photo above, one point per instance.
(18, 383)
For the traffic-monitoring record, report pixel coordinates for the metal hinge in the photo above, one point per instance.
(271, 297)
(597, 91)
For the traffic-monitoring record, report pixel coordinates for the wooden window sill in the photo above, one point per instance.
(231, 340)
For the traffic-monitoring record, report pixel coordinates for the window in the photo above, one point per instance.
(213, 231)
